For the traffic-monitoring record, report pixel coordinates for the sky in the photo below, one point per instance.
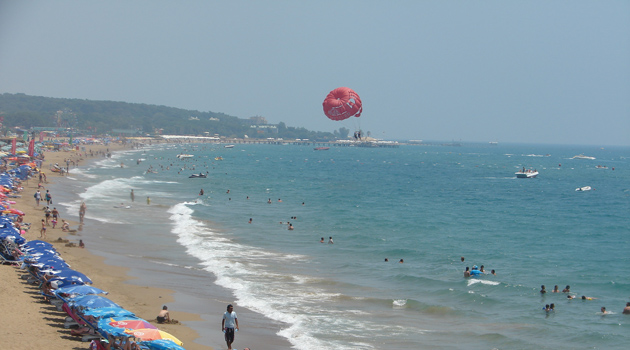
(555, 72)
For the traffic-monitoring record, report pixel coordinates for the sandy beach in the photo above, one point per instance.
(29, 322)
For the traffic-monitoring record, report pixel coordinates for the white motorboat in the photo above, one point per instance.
(526, 174)
(582, 189)
(228, 146)
(184, 156)
(581, 156)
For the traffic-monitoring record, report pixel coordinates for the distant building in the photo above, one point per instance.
(258, 120)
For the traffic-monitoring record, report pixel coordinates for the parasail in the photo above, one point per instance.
(342, 103)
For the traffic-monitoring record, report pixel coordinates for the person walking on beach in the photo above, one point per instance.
(42, 231)
(48, 197)
(47, 213)
(38, 197)
(133, 196)
(229, 325)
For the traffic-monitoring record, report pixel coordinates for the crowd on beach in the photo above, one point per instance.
(89, 315)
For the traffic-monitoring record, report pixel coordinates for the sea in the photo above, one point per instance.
(401, 220)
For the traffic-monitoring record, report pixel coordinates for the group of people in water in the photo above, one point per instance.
(477, 271)
(567, 289)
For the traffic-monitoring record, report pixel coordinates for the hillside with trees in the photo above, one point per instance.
(102, 117)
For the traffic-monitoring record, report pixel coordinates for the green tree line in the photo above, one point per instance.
(24, 111)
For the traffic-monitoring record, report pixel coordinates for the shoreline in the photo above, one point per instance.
(28, 308)
(132, 281)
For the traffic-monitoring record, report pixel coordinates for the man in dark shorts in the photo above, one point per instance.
(163, 316)
(229, 325)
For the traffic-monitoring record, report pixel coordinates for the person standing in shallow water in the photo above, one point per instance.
(82, 209)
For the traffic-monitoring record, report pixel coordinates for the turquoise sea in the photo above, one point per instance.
(428, 205)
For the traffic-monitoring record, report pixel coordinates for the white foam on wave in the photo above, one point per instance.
(474, 281)
(115, 188)
(83, 172)
(399, 302)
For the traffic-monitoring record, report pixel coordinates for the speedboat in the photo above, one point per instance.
(321, 148)
(228, 146)
(184, 156)
(201, 175)
(581, 156)
(582, 189)
(526, 174)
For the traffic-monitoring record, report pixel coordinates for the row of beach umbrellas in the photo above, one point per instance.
(71, 290)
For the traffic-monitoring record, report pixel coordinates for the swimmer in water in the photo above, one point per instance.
(542, 289)
(567, 289)
(555, 289)
(321, 240)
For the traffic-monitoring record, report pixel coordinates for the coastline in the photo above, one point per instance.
(29, 311)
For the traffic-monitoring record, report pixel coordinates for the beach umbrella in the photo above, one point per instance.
(160, 344)
(92, 302)
(72, 275)
(36, 243)
(80, 289)
(108, 312)
(153, 334)
(119, 326)
(13, 211)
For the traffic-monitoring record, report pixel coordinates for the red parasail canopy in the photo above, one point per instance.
(342, 103)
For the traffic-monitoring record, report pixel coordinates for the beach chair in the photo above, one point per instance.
(72, 319)
(93, 333)
(77, 320)
(5, 261)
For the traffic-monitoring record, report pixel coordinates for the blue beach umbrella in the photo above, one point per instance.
(80, 289)
(37, 243)
(72, 275)
(160, 344)
(109, 312)
(92, 302)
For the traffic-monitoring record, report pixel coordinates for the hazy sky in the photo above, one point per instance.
(508, 71)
